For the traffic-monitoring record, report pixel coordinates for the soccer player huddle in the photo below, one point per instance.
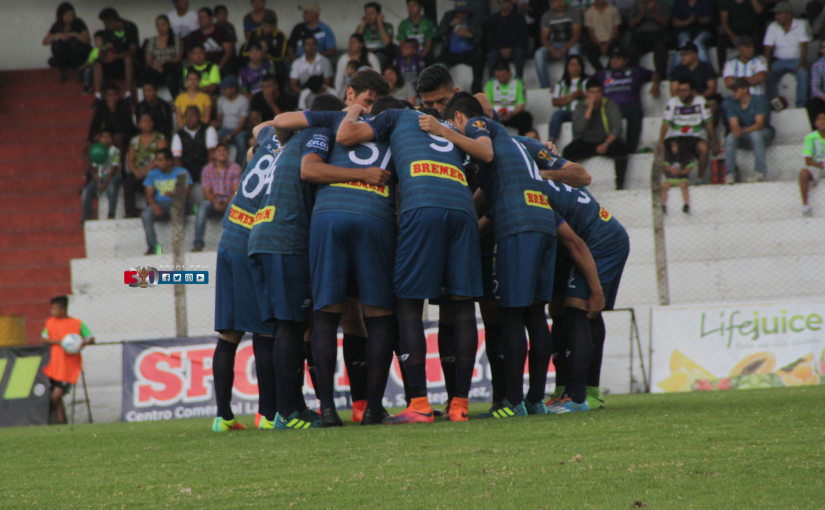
(354, 213)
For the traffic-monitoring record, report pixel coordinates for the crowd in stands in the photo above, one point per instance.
(224, 80)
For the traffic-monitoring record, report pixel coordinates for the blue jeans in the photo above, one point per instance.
(518, 59)
(780, 68)
(239, 141)
(701, 38)
(149, 220)
(757, 141)
(558, 118)
(205, 211)
(92, 190)
(543, 56)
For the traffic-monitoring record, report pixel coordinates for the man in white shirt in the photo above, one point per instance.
(786, 40)
(233, 111)
(182, 20)
(310, 64)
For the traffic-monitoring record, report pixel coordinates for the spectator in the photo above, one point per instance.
(533, 11)
(786, 48)
(315, 87)
(193, 97)
(567, 94)
(87, 70)
(410, 63)
(273, 42)
(417, 27)
(507, 37)
(309, 64)
(164, 54)
(114, 115)
(750, 126)
(259, 15)
(210, 75)
(738, 18)
(358, 52)
(157, 108)
(233, 112)
(140, 160)
(678, 166)
(124, 38)
(253, 73)
(814, 153)
(220, 182)
(461, 33)
(399, 87)
(269, 102)
(194, 144)
(561, 29)
(623, 86)
(746, 65)
(377, 34)
(353, 66)
(648, 23)
(602, 22)
(813, 11)
(598, 122)
(312, 26)
(222, 21)
(689, 121)
(215, 40)
(182, 20)
(69, 39)
(702, 73)
(506, 94)
(160, 187)
(817, 103)
(692, 19)
(103, 178)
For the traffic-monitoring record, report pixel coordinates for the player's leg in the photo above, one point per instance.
(325, 354)
(263, 347)
(223, 371)
(561, 277)
(446, 347)
(56, 403)
(355, 355)
(493, 347)
(541, 342)
(382, 331)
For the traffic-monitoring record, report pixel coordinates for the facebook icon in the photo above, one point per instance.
(165, 277)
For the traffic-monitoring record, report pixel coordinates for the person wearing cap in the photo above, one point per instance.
(309, 64)
(462, 34)
(816, 104)
(377, 34)
(693, 21)
(312, 25)
(747, 65)
(702, 73)
(602, 22)
(648, 23)
(786, 48)
(215, 40)
(738, 18)
(749, 117)
(182, 20)
(259, 15)
(623, 85)
(233, 112)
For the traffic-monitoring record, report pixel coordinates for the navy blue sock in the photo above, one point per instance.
(381, 340)
(541, 350)
(580, 349)
(446, 351)
(412, 344)
(288, 356)
(223, 371)
(355, 359)
(597, 327)
(263, 346)
(559, 332)
(325, 353)
(495, 356)
(515, 351)
(465, 345)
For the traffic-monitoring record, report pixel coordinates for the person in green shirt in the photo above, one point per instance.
(377, 34)
(506, 94)
(210, 73)
(419, 28)
(814, 152)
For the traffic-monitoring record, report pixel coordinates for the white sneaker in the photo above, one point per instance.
(756, 177)
(807, 211)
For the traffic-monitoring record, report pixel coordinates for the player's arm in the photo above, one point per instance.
(485, 103)
(485, 226)
(572, 174)
(315, 170)
(480, 201)
(46, 340)
(811, 162)
(584, 261)
(351, 131)
(287, 123)
(480, 149)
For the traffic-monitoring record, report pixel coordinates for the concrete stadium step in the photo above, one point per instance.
(31, 134)
(43, 239)
(27, 105)
(40, 257)
(37, 150)
(126, 237)
(64, 118)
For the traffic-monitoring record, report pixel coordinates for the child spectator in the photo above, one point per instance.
(462, 34)
(220, 182)
(193, 97)
(270, 101)
(123, 36)
(677, 168)
(69, 39)
(164, 54)
(377, 34)
(560, 37)
(315, 87)
(182, 20)
(63, 368)
(103, 177)
(88, 69)
(693, 20)
(409, 63)
(419, 28)
(506, 94)
(233, 112)
(157, 108)
(259, 15)
(602, 22)
(310, 64)
(140, 160)
(567, 94)
(114, 115)
(399, 87)
(507, 37)
(358, 52)
(159, 186)
(312, 26)
(253, 73)
(814, 153)
(220, 49)
(194, 144)
(210, 75)
(222, 21)
(273, 43)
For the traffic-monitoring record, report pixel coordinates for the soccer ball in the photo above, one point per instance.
(72, 343)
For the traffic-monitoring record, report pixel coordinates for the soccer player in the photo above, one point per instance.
(63, 368)
(236, 306)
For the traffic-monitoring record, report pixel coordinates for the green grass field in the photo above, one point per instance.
(737, 449)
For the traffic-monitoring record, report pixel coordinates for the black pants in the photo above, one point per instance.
(170, 76)
(132, 187)
(815, 106)
(472, 58)
(523, 121)
(69, 54)
(578, 150)
(634, 114)
(644, 42)
(592, 51)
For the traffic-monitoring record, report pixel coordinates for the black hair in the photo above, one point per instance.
(222, 144)
(143, 114)
(63, 9)
(688, 80)
(566, 76)
(465, 103)
(399, 82)
(411, 40)
(254, 45)
(386, 103)
(191, 108)
(354, 64)
(220, 8)
(416, 1)
(326, 103)
(308, 37)
(434, 78)
(409, 106)
(270, 77)
(102, 33)
(364, 57)
(593, 83)
(197, 45)
(105, 130)
(166, 151)
(192, 70)
(430, 111)
(170, 43)
(209, 12)
(315, 83)
(368, 79)
(374, 5)
(61, 301)
(107, 88)
(502, 65)
(108, 14)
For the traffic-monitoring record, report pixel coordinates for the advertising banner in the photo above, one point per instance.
(171, 379)
(24, 388)
(722, 347)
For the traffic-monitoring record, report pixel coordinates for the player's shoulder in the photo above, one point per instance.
(484, 124)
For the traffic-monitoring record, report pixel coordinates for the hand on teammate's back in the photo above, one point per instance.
(375, 176)
(430, 124)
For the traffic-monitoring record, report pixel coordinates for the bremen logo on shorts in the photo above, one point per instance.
(379, 190)
(604, 215)
(436, 169)
(536, 199)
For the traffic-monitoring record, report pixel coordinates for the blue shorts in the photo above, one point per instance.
(282, 286)
(488, 267)
(236, 302)
(610, 262)
(345, 248)
(437, 248)
(525, 264)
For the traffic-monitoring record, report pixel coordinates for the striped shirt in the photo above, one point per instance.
(563, 90)
(738, 69)
(818, 78)
(221, 183)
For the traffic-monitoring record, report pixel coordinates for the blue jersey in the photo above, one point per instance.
(355, 197)
(430, 168)
(281, 222)
(240, 214)
(512, 185)
(586, 217)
